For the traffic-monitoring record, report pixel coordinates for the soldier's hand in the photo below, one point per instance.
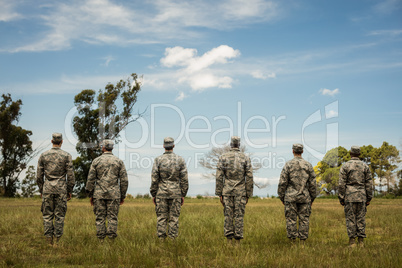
(68, 196)
(246, 200)
(121, 201)
(343, 203)
(221, 199)
(153, 200)
(40, 195)
(91, 200)
(367, 204)
(182, 201)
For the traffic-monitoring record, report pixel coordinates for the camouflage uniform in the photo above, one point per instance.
(234, 182)
(169, 184)
(297, 189)
(107, 183)
(55, 179)
(355, 189)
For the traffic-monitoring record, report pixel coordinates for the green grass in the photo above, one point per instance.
(201, 242)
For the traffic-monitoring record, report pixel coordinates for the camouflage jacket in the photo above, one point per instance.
(107, 178)
(355, 183)
(169, 176)
(297, 182)
(234, 174)
(55, 173)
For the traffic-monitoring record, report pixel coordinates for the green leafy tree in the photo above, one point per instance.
(101, 115)
(15, 145)
(28, 186)
(385, 160)
(327, 170)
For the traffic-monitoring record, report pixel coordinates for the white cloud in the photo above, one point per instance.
(260, 75)
(331, 114)
(197, 71)
(264, 182)
(181, 96)
(107, 22)
(7, 12)
(107, 60)
(387, 6)
(386, 32)
(328, 92)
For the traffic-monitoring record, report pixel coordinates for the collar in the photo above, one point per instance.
(355, 158)
(170, 152)
(235, 149)
(107, 152)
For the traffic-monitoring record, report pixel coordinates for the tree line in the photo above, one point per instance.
(382, 161)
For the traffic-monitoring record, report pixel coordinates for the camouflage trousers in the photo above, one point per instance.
(167, 211)
(234, 209)
(54, 207)
(293, 211)
(106, 209)
(355, 214)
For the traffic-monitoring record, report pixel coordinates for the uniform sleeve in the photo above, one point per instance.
(249, 178)
(312, 185)
(40, 174)
(91, 181)
(70, 175)
(220, 177)
(155, 178)
(283, 183)
(368, 184)
(123, 180)
(342, 184)
(183, 178)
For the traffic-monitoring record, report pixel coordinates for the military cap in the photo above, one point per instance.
(355, 150)
(235, 141)
(168, 142)
(108, 144)
(57, 137)
(297, 148)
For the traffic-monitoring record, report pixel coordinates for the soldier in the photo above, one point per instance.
(355, 193)
(168, 188)
(107, 187)
(234, 186)
(55, 179)
(297, 190)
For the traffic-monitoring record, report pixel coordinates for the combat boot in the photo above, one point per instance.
(352, 242)
(302, 242)
(361, 242)
(229, 241)
(50, 240)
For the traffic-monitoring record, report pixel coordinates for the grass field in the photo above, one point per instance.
(201, 242)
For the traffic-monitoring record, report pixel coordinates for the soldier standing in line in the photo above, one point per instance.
(55, 179)
(234, 186)
(297, 190)
(107, 187)
(355, 192)
(169, 186)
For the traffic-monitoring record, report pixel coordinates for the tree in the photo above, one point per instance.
(210, 162)
(15, 145)
(385, 160)
(101, 116)
(327, 170)
(28, 185)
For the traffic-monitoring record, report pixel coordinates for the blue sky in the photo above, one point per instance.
(324, 73)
